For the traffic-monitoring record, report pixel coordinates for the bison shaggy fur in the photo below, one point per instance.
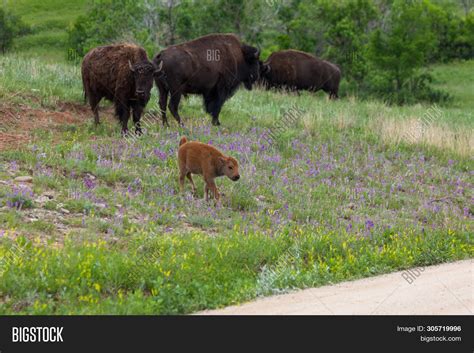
(120, 73)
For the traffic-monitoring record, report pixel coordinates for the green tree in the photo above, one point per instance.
(106, 21)
(337, 31)
(11, 26)
(399, 48)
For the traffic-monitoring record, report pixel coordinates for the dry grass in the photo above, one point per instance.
(413, 131)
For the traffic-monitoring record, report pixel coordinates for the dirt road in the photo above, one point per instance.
(444, 289)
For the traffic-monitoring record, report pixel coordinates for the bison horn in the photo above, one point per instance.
(160, 66)
(257, 53)
(130, 66)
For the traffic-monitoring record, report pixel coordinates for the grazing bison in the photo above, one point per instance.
(296, 70)
(122, 74)
(212, 66)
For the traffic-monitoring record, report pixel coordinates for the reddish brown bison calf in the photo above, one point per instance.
(122, 74)
(198, 158)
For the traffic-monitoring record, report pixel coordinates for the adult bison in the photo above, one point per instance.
(212, 66)
(296, 70)
(122, 74)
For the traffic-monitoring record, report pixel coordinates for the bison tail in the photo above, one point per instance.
(183, 140)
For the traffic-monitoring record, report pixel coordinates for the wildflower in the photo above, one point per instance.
(369, 224)
(160, 154)
(89, 183)
(349, 227)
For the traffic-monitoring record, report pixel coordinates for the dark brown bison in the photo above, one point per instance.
(122, 74)
(296, 70)
(212, 66)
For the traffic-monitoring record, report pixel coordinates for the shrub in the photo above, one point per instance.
(11, 26)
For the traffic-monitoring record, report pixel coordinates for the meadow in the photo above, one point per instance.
(350, 189)
(49, 21)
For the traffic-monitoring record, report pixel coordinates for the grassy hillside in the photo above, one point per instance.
(350, 189)
(49, 20)
(457, 78)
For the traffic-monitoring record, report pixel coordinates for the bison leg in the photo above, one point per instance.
(190, 178)
(94, 103)
(137, 113)
(163, 101)
(213, 106)
(181, 181)
(215, 113)
(211, 188)
(123, 112)
(174, 103)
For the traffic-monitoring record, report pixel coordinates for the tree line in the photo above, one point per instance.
(383, 47)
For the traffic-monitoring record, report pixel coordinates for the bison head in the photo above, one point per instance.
(251, 56)
(143, 73)
(229, 167)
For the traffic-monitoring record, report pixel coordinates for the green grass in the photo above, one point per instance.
(457, 78)
(340, 194)
(49, 20)
(169, 274)
(26, 78)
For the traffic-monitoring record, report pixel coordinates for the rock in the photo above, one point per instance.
(100, 205)
(49, 195)
(65, 211)
(42, 199)
(24, 179)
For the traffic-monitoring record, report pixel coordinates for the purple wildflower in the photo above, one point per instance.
(369, 224)
(349, 227)
(89, 183)
(160, 154)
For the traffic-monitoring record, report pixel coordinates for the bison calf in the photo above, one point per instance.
(198, 158)
(122, 74)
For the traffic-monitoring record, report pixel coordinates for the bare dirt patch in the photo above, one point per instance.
(19, 122)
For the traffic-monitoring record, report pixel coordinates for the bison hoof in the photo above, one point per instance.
(216, 122)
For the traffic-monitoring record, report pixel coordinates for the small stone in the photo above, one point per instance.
(65, 211)
(42, 199)
(100, 205)
(24, 179)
